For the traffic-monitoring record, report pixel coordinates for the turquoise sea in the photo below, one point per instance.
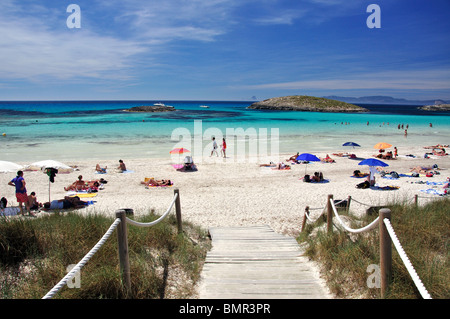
(76, 130)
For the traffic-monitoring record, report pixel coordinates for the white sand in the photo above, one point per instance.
(229, 193)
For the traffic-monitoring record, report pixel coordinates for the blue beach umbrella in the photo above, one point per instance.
(353, 144)
(373, 162)
(307, 157)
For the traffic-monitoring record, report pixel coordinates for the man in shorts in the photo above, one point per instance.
(21, 192)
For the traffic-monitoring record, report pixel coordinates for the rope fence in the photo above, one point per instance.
(387, 237)
(120, 223)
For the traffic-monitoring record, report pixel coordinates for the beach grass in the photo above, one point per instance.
(423, 232)
(35, 254)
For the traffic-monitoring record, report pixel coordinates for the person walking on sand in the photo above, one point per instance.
(224, 147)
(214, 149)
(21, 192)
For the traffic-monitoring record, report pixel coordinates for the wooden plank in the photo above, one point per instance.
(256, 262)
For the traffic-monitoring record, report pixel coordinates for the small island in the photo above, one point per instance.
(436, 107)
(306, 104)
(151, 108)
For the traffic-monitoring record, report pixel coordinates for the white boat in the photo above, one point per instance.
(162, 104)
(205, 106)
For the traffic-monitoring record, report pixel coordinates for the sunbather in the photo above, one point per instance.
(153, 182)
(77, 185)
(101, 170)
(67, 202)
(327, 159)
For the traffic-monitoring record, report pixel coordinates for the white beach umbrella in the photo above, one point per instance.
(50, 164)
(43, 165)
(6, 167)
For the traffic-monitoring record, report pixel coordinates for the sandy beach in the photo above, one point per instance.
(226, 192)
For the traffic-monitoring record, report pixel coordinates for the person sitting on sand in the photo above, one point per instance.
(77, 185)
(100, 169)
(318, 177)
(293, 158)
(33, 202)
(65, 203)
(153, 182)
(122, 168)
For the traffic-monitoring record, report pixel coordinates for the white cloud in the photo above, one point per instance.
(401, 80)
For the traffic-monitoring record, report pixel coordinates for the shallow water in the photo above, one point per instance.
(101, 129)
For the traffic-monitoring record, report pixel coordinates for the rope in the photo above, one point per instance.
(360, 202)
(308, 218)
(412, 272)
(360, 230)
(85, 259)
(133, 222)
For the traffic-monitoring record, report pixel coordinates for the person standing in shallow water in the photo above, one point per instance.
(21, 192)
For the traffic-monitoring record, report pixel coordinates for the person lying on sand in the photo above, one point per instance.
(327, 159)
(423, 169)
(357, 173)
(65, 203)
(153, 182)
(283, 166)
(272, 164)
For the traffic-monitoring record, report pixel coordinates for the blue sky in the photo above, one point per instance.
(223, 49)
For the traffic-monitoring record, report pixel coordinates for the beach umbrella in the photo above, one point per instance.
(372, 163)
(6, 167)
(50, 167)
(382, 146)
(50, 164)
(307, 157)
(353, 144)
(179, 150)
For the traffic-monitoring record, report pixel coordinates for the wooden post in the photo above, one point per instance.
(385, 251)
(123, 251)
(416, 200)
(178, 210)
(349, 199)
(329, 214)
(304, 218)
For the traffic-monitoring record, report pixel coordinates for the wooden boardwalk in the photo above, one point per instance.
(255, 263)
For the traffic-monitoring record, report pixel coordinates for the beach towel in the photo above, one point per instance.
(384, 188)
(81, 194)
(433, 191)
(9, 211)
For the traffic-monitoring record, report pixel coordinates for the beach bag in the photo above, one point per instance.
(3, 202)
(306, 179)
(364, 184)
(415, 174)
(394, 175)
